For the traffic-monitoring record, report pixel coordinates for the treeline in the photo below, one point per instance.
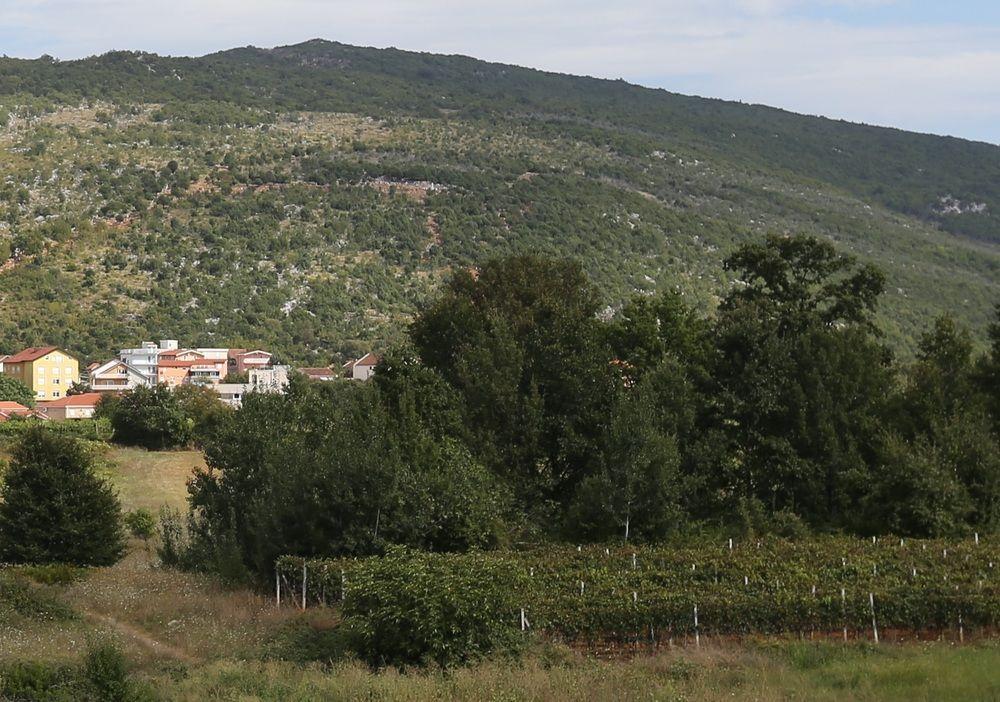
(518, 413)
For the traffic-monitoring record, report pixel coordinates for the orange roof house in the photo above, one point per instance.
(80, 406)
(47, 370)
(8, 410)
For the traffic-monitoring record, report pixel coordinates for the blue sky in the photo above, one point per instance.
(914, 64)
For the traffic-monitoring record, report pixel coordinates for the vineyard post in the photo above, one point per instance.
(303, 586)
(961, 629)
(581, 588)
(871, 602)
(843, 610)
(634, 565)
(697, 635)
(977, 538)
(730, 544)
(277, 586)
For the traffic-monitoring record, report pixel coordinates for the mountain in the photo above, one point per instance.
(309, 198)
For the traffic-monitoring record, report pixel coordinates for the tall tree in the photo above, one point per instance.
(520, 342)
(799, 379)
(54, 508)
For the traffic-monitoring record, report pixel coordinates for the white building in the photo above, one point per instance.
(145, 358)
(232, 393)
(116, 376)
(362, 368)
(274, 379)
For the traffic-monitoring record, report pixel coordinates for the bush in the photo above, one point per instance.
(107, 671)
(54, 509)
(103, 677)
(141, 524)
(13, 390)
(416, 608)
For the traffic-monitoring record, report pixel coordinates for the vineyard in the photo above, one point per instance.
(826, 586)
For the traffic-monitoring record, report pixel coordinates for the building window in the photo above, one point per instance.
(55, 394)
(55, 381)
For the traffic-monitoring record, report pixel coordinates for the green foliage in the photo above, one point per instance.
(98, 429)
(13, 390)
(20, 599)
(103, 676)
(330, 469)
(648, 594)
(410, 608)
(521, 344)
(54, 509)
(153, 418)
(141, 524)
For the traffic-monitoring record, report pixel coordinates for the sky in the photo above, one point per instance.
(922, 65)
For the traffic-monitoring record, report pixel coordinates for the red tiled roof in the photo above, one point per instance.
(369, 359)
(30, 354)
(86, 399)
(11, 406)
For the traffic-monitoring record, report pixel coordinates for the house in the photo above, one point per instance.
(47, 370)
(8, 410)
(115, 376)
(173, 372)
(242, 361)
(273, 379)
(232, 393)
(319, 373)
(362, 368)
(80, 406)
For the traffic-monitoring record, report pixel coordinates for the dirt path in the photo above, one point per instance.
(143, 638)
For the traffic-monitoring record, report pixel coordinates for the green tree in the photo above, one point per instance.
(54, 508)
(521, 344)
(13, 390)
(636, 493)
(799, 381)
(202, 407)
(153, 418)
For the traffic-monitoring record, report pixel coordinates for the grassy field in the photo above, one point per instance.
(188, 638)
(150, 479)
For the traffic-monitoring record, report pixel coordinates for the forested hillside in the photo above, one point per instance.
(309, 198)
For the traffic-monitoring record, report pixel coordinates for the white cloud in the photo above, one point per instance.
(781, 52)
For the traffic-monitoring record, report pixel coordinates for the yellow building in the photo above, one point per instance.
(47, 370)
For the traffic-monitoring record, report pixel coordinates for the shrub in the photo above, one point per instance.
(107, 671)
(141, 524)
(416, 608)
(54, 509)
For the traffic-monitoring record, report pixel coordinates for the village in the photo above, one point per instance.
(63, 391)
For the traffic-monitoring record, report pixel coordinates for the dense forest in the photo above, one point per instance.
(312, 198)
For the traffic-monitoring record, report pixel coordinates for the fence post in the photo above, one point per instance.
(843, 610)
(697, 635)
(871, 602)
